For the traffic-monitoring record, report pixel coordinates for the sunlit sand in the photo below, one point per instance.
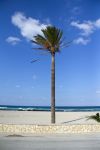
(41, 117)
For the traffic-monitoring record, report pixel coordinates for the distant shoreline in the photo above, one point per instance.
(47, 108)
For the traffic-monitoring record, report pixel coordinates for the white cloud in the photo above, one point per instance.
(86, 29)
(98, 92)
(13, 40)
(81, 40)
(28, 26)
(97, 23)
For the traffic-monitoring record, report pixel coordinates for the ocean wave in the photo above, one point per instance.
(3, 108)
(48, 108)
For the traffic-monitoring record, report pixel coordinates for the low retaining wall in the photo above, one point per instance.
(42, 129)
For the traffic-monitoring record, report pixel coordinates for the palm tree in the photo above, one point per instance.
(50, 41)
(95, 117)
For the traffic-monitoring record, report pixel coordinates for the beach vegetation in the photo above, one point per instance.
(95, 117)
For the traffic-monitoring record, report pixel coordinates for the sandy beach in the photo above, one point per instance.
(41, 117)
(39, 122)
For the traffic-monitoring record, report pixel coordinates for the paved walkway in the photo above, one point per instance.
(50, 142)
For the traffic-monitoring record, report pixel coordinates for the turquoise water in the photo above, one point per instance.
(47, 108)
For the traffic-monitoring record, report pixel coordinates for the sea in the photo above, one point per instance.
(47, 108)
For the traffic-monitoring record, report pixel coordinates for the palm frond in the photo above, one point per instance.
(53, 35)
(41, 49)
(51, 41)
(34, 60)
(39, 39)
(66, 44)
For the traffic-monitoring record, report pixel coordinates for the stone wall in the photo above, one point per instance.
(42, 129)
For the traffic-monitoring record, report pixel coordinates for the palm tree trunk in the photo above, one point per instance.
(53, 89)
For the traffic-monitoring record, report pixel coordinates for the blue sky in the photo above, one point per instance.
(77, 66)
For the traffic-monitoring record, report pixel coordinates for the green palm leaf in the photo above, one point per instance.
(50, 40)
(95, 117)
